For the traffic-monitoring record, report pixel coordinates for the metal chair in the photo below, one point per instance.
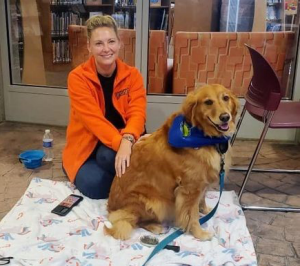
(263, 102)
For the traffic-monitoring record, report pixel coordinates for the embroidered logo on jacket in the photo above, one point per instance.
(122, 93)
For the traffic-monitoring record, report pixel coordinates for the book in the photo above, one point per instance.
(91, 14)
(291, 7)
(163, 20)
(93, 2)
(155, 2)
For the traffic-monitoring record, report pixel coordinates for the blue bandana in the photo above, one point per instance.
(183, 135)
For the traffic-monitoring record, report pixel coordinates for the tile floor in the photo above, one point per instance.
(276, 236)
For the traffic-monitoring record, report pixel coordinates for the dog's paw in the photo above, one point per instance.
(121, 235)
(154, 228)
(204, 210)
(202, 234)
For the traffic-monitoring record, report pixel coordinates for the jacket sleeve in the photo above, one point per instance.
(136, 112)
(89, 112)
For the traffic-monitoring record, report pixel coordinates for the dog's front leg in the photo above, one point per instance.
(203, 208)
(187, 212)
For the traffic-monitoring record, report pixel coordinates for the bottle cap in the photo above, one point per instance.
(47, 131)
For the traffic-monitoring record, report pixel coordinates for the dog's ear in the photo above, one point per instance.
(189, 107)
(235, 105)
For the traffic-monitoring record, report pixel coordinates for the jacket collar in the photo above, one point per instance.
(90, 71)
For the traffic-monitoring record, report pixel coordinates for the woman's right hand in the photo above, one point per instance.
(122, 160)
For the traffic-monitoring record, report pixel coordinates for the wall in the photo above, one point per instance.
(1, 93)
(296, 95)
(191, 21)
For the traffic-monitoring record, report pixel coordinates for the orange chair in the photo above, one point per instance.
(220, 57)
(157, 61)
(78, 45)
(127, 51)
(157, 64)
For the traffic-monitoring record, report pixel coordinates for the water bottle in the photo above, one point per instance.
(48, 146)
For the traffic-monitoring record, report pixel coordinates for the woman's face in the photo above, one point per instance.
(104, 45)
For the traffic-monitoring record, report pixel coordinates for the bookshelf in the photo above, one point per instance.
(125, 13)
(52, 18)
(275, 15)
(281, 15)
(63, 14)
(66, 12)
(17, 40)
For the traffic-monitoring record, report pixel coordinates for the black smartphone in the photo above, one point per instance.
(67, 204)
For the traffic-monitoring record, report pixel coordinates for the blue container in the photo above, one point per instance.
(32, 158)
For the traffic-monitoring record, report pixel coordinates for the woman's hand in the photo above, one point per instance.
(122, 160)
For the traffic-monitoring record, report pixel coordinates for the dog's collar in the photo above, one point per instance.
(183, 135)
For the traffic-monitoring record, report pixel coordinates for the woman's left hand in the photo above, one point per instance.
(122, 160)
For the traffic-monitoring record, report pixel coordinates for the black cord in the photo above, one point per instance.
(5, 260)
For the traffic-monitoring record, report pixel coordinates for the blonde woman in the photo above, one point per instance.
(107, 115)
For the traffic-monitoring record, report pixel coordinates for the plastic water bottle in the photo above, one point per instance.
(48, 145)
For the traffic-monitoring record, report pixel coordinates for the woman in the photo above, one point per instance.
(107, 115)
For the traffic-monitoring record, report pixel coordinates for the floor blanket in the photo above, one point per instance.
(34, 236)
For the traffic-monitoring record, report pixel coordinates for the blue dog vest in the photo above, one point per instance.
(183, 135)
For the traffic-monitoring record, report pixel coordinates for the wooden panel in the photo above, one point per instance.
(260, 11)
(196, 15)
(33, 68)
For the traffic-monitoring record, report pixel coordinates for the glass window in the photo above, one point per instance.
(204, 43)
(48, 39)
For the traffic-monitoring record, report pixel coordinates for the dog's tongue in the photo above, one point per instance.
(224, 126)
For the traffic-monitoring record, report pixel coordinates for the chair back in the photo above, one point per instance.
(264, 91)
(221, 57)
(78, 44)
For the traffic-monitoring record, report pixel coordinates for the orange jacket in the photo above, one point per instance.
(87, 122)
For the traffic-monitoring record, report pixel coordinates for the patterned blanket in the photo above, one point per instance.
(34, 236)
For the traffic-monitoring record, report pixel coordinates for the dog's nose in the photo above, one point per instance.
(224, 117)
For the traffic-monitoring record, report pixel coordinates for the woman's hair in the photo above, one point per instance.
(99, 22)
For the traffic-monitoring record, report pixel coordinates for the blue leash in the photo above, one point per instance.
(202, 220)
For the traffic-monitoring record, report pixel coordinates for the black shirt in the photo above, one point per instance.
(111, 114)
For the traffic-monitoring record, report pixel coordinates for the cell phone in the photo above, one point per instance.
(67, 204)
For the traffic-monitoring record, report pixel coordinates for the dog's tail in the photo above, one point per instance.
(120, 224)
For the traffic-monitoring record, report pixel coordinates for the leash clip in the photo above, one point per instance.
(222, 149)
(222, 163)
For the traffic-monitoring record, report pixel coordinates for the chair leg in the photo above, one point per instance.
(250, 168)
(253, 159)
(238, 125)
(278, 171)
(243, 169)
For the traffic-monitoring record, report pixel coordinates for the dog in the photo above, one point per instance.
(164, 184)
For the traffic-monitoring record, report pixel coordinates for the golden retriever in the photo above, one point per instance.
(164, 184)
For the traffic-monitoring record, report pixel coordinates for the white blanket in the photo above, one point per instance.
(34, 236)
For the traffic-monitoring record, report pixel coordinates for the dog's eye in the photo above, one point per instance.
(226, 98)
(208, 102)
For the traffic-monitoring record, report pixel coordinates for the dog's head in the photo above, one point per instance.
(212, 108)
